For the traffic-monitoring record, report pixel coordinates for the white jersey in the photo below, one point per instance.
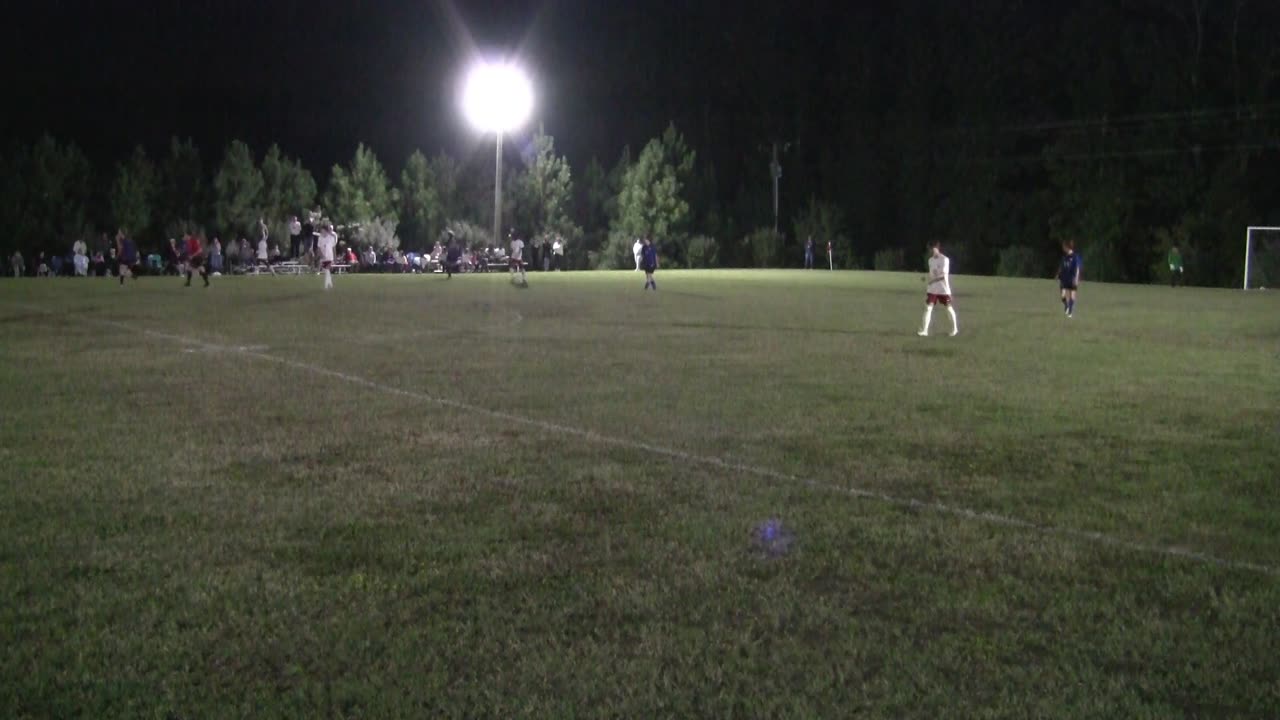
(939, 275)
(327, 243)
(517, 249)
(262, 249)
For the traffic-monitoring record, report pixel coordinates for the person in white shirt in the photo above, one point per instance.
(636, 249)
(326, 244)
(557, 254)
(263, 257)
(938, 291)
(295, 237)
(517, 259)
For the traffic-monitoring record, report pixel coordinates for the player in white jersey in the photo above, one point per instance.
(938, 291)
(517, 259)
(326, 244)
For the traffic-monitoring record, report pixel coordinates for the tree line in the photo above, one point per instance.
(1000, 128)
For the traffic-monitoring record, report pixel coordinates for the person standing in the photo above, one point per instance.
(262, 256)
(215, 256)
(18, 265)
(127, 256)
(195, 260)
(452, 258)
(557, 254)
(808, 253)
(1069, 277)
(636, 249)
(295, 236)
(1175, 267)
(517, 259)
(938, 291)
(175, 258)
(649, 263)
(326, 244)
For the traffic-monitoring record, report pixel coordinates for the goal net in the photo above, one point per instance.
(1262, 258)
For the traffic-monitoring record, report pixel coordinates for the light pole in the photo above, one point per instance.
(497, 98)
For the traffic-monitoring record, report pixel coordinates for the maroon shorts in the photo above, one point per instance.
(326, 264)
(932, 299)
(515, 264)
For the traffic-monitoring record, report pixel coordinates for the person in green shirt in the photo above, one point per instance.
(1175, 266)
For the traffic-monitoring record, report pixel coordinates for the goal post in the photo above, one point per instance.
(1256, 265)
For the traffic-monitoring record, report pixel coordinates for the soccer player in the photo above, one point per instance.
(1175, 266)
(938, 291)
(649, 263)
(452, 257)
(195, 260)
(517, 258)
(327, 243)
(126, 255)
(1069, 277)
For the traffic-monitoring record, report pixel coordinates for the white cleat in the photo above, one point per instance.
(955, 333)
(923, 333)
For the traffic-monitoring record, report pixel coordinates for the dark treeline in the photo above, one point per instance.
(1000, 128)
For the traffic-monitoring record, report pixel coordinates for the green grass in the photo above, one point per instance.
(196, 531)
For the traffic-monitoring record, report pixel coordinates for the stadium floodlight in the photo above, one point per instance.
(1257, 264)
(498, 98)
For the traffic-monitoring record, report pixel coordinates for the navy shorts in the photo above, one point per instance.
(1066, 285)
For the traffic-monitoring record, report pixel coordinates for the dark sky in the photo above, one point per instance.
(319, 76)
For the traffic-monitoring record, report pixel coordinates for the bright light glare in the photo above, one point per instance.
(497, 97)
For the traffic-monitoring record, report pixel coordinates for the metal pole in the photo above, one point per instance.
(497, 196)
(775, 169)
(1248, 241)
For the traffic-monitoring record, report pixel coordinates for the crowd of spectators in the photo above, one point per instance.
(101, 257)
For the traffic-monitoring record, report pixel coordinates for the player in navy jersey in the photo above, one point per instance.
(649, 263)
(1069, 277)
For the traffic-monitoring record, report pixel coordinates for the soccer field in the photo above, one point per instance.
(416, 497)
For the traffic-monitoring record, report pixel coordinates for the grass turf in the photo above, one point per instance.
(282, 522)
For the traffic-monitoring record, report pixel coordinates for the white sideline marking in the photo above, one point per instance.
(709, 460)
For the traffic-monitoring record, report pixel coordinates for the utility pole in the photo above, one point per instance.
(775, 172)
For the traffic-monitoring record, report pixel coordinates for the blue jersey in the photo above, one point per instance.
(649, 256)
(1070, 269)
(128, 252)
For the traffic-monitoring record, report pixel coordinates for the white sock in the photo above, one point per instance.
(328, 279)
(955, 324)
(928, 315)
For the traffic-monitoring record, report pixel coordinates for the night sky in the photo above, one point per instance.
(317, 77)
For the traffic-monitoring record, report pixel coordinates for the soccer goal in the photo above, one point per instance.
(1261, 258)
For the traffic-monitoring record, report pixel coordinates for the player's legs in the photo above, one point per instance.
(951, 311)
(328, 275)
(928, 316)
(1071, 302)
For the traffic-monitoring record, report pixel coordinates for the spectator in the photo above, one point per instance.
(263, 256)
(42, 267)
(175, 259)
(246, 255)
(636, 249)
(17, 264)
(232, 255)
(215, 256)
(295, 236)
(81, 265)
(452, 258)
(55, 265)
(155, 263)
(557, 254)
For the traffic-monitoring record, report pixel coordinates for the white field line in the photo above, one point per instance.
(1099, 538)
